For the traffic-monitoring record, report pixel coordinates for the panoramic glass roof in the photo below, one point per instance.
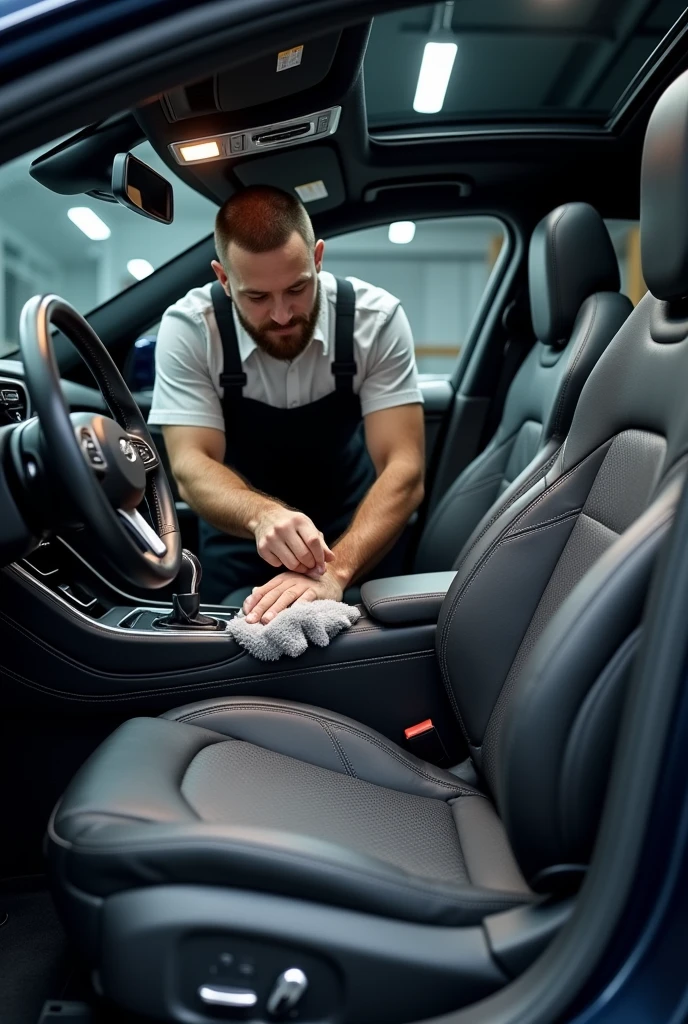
(509, 60)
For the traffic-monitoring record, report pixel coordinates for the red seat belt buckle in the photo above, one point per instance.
(418, 730)
(425, 742)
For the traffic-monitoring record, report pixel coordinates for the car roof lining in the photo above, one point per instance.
(504, 169)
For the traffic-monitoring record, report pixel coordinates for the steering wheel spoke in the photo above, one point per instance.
(143, 534)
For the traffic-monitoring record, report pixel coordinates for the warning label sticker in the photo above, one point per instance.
(289, 58)
(311, 191)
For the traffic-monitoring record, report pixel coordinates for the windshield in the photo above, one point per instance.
(43, 248)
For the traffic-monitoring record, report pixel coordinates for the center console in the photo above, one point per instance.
(70, 638)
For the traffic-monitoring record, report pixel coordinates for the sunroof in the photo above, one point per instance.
(509, 61)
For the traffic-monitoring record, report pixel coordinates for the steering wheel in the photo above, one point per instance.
(108, 466)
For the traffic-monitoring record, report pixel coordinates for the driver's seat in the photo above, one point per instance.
(265, 858)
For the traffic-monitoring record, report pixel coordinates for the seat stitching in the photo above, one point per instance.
(506, 536)
(496, 543)
(338, 749)
(536, 475)
(470, 898)
(471, 579)
(193, 716)
(545, 522)
(344, 756)
(572, 368)
(406, 597)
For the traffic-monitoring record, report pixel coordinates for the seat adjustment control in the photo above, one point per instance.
(228, 995)
(287, 992)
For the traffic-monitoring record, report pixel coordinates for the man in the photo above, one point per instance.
(291, 412)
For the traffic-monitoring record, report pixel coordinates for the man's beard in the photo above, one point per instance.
(281, 346)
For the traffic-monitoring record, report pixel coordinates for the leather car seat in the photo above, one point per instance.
(576, 309)
(232, 848)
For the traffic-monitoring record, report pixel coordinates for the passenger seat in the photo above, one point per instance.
(576, 309)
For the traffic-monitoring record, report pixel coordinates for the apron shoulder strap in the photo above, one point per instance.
(232, 378)
(344, 365)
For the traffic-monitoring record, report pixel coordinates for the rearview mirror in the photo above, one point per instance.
(141, 189)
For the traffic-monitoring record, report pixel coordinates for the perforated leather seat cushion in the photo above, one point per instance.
(354, 820)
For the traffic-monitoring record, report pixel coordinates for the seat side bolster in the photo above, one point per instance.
(135, 775)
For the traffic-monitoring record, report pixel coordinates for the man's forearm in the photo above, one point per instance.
(221, 497)
(379, 520)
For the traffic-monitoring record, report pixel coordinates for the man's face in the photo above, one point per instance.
(275, 294)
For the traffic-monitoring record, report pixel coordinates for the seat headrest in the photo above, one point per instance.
(664, 195)
(571, 257)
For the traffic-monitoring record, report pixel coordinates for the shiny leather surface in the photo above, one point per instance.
(401, 599)
(111, 834)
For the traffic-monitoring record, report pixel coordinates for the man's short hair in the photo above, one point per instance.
(260, 218)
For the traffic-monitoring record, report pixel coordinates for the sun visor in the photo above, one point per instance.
(312, 173)
(291, 68)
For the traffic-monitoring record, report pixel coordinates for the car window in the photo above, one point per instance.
(438, 268)
(625, 235)
(44, 246)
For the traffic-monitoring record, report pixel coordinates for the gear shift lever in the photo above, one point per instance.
(185, 605)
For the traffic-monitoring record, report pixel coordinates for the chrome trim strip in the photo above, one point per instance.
(116, 630)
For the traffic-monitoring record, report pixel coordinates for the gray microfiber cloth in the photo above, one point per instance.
(291, 630)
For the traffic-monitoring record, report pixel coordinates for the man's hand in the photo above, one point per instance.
(288, 538)
(286, 589)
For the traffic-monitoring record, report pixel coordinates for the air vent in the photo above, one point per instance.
(294, 132)
(14, 402)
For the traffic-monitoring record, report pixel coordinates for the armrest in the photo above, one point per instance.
(401, 599)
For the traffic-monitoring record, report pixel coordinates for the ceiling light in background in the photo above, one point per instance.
(200, 151)
(139, 269)
(435, 72)
(89, 222)
(402, 231)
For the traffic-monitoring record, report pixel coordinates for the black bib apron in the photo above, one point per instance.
(312, 458)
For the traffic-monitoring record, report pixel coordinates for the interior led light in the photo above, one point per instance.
(435, 72)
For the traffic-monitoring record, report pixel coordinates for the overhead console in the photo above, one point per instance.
(296, 66)
(231, 124)
(225, 145)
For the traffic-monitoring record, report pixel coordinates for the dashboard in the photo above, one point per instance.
(78, 396)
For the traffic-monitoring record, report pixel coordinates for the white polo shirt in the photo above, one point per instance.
(189, 359)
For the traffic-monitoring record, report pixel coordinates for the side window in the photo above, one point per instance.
(93, 249)
(625, 235)
(438, 268)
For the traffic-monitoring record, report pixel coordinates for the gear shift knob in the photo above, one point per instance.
(187, 602)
